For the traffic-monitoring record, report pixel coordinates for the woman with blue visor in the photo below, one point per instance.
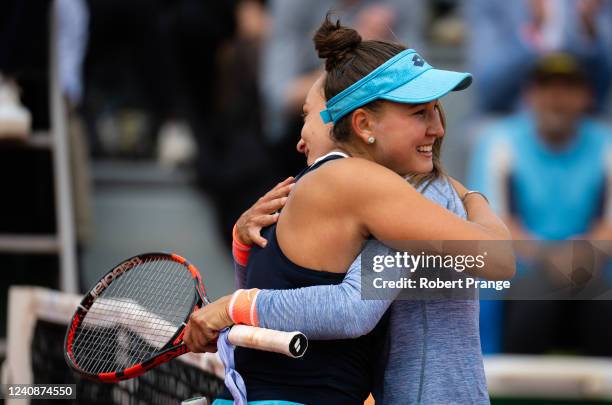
(383, 103)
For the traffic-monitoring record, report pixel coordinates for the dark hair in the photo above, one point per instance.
(348, 59)
(558, 66)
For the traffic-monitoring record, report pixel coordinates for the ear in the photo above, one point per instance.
(363, 124)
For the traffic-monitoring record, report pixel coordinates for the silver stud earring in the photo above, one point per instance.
(371, 140)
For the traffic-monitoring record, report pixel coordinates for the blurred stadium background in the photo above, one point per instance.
(135, 126)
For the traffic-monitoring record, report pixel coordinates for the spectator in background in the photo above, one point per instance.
(506, 37)
(239, 168)
(290, 65)
(548, 173)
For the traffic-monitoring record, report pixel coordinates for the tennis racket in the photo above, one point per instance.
(134, 319)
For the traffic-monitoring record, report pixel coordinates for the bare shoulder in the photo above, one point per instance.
(350, 187)
(352, 174)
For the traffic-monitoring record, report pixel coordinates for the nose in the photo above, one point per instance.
(301, 146)
(435, 127)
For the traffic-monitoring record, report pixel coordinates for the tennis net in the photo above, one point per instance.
(37, 324)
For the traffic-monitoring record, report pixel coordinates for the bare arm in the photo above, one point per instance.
(479, 214)
(387, 208)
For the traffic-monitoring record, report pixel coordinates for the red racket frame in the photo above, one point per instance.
(175, 346)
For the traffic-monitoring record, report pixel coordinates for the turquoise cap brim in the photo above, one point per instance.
(428, 86)
(405, 78)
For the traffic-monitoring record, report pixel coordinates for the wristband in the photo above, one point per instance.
(242, 307)
(474, 192)
(240, 251)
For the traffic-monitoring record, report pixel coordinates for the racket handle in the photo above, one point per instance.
(292, 344)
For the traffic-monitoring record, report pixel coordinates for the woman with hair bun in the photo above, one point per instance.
(383, 102)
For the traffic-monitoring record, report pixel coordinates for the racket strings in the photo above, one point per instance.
(99, 327)
(135, 316)
(138, 350)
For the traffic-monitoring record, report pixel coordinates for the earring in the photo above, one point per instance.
(371, 140)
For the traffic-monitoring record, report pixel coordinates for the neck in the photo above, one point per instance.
(357, 150)
(557, 139)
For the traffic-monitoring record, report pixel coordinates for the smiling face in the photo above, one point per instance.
(405, 136)
(315, 140)
(405, 133)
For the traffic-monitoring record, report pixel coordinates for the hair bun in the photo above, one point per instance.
(334, 42)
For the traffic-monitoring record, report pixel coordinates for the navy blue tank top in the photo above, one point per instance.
(339, 372)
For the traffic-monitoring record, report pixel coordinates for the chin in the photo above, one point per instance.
(422, 169)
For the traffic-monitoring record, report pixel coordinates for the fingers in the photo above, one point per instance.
(263, 215)
(259, 240)
(187, 337)
(254, 231)
(285, 182)
(261, 221)
(193, 340)
(211, 348)
(270, 207)
(273, 195)
(281, 190)
(267, 220)
(198, 335)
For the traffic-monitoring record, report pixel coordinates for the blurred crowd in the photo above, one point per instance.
(218, 86)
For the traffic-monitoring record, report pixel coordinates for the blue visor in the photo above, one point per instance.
(405, 78)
